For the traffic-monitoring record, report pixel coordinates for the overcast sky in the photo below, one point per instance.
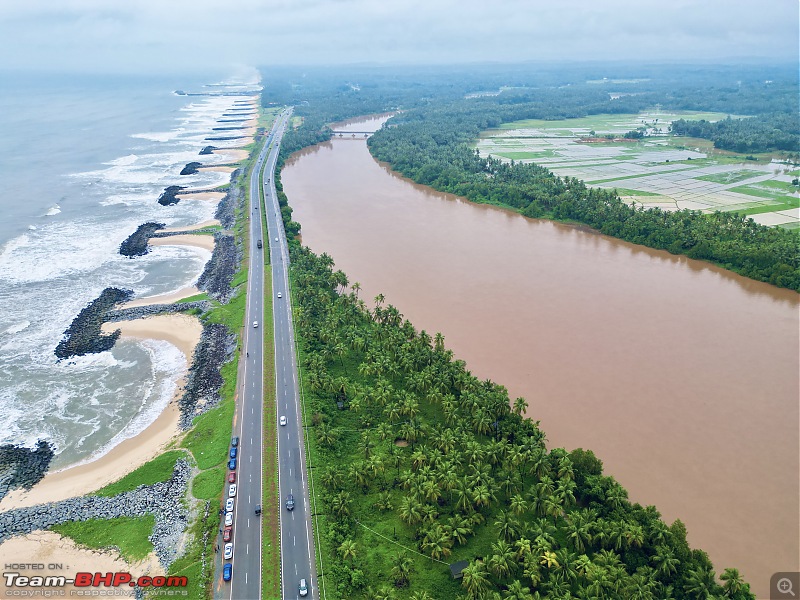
(170, 35)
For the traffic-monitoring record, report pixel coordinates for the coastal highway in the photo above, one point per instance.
(297, 548)
(246, 561)
(297, 556)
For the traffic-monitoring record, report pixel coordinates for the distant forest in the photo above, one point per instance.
(430, 142)
(763, 133)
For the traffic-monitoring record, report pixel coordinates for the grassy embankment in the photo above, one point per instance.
(205, 445)
(270, 524)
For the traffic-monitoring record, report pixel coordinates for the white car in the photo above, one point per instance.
(283, 419)
(231, 490)
(255, 323)
(276, 239)
(228, 551)
(228, 519)
(229, 504)
(303, 588)
(280, 295)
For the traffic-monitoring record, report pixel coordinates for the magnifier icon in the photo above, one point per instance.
(784, 586)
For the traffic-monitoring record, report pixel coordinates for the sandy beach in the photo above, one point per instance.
(212, 196)
(197, 240)
(182, 331)
(233, 155)
(49, 548)
(164, 298)
(220, 169)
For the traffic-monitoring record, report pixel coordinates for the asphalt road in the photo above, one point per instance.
(297, 557)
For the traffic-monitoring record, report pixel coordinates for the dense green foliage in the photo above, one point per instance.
(756, 134)
(424, 465)
(432, 146)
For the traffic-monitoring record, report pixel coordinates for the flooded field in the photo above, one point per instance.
(682, 377)
(659, 170)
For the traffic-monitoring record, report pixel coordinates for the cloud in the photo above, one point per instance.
(139, 35)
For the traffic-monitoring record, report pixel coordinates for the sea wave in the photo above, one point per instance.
(169, 365)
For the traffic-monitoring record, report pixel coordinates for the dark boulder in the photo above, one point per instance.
(136, 244)
(84, 335)
(168, 196)
(191, 168)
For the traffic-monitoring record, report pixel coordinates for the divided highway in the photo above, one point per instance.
(297, 548)
(297, 556)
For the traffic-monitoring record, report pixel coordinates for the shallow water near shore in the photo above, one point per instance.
(681, 376)
(84, 161)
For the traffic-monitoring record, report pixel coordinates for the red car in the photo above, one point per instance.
(231, 477)
(226, 534)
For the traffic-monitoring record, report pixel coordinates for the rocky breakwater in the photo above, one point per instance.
(219, 270)
(136, 243)
(22, 467)
(162, 500)
(191, 168)
(168, 196)
(216, 347)
(234, 198)
(149, 310)
(208, 150)
(84, 335)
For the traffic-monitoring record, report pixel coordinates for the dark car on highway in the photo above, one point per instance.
(227, 571)
(232, 464)
(290, 502)
(234, 452)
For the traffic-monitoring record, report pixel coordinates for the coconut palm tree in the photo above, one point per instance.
(580, 530)
(459, 528)
(508, 526)
(518, 505)
(340, 504)
(520, 406)
(516, 591)
(347, 550)
(700, 583)
(733, 584)
(503, 562)
(401, 569)
(475, 580)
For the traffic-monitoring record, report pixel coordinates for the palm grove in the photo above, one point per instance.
(421, 464)
(416, 463)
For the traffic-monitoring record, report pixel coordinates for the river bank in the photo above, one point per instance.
(660, 364)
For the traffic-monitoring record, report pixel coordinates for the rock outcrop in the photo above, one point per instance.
(84, 335)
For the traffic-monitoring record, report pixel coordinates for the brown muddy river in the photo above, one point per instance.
(682, 377)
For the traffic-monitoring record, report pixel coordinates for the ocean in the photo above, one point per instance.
(83, 160)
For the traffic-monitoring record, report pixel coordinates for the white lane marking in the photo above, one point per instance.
(294, 540)
(247, 548)
(245, 576)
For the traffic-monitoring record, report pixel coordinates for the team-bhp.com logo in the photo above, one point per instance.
(48, 585)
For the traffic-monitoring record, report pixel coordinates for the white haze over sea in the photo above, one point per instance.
(83, 162)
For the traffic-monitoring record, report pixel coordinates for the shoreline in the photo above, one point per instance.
(196, 240)
(77, 480)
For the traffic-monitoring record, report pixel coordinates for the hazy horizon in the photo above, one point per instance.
(149, 36)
